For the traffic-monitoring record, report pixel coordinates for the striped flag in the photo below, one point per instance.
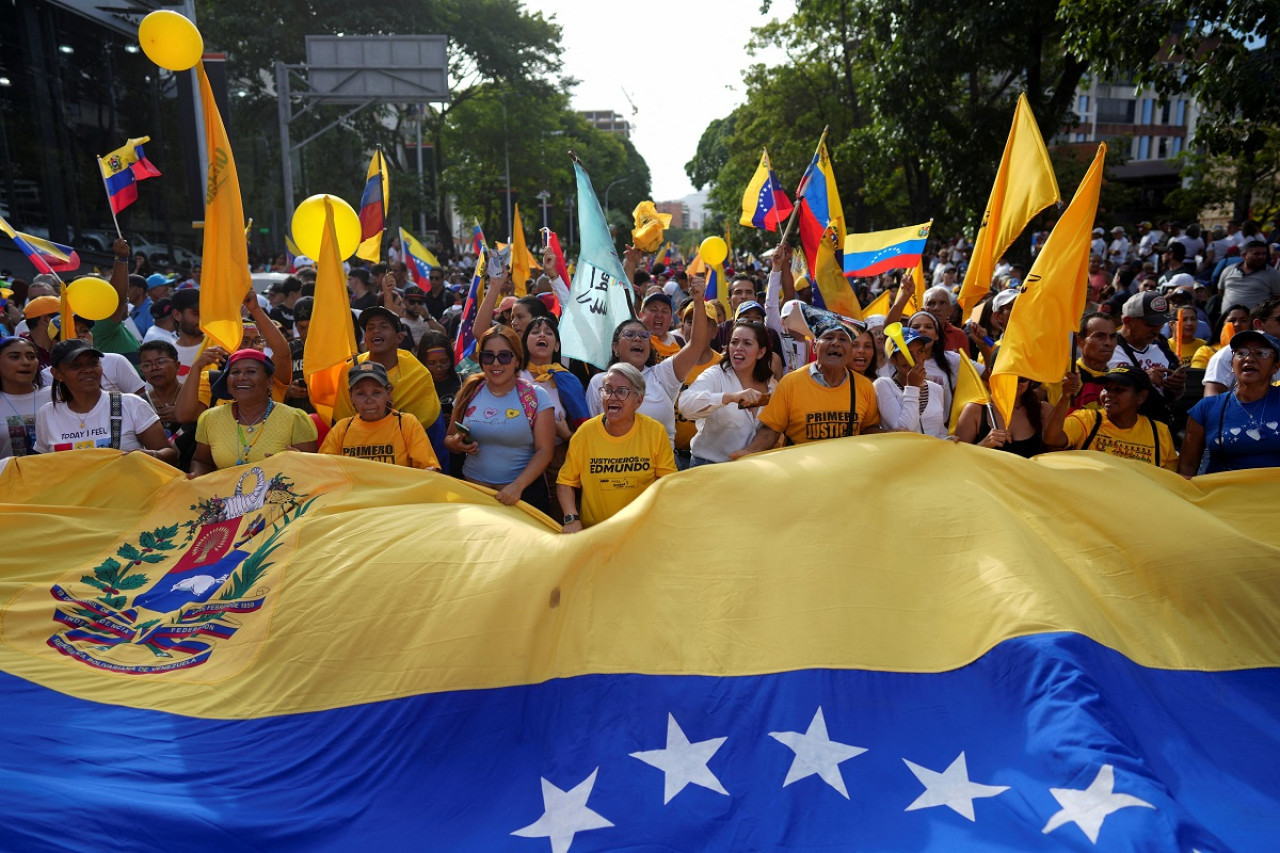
(121, 171)
(45, 255)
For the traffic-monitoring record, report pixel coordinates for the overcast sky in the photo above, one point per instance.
(681, 61)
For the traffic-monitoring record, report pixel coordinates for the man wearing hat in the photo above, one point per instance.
(1117, 428)
(1118, 251)
(377, 432)
(1140, 344)
(39, 313)
(415, 390)
(821, 400)
(1099, 244)
(1149, 239)
(656, 312)
(143, 293)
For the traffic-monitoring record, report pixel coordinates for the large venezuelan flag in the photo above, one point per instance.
(327, 654)
(880, 251)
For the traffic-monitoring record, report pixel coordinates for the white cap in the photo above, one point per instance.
(1003, 298)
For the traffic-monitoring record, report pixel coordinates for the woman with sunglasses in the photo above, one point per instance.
(725, 402)
(1240, 428)
(632, 345)
(504, 425)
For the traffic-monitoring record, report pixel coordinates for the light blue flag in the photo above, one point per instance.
(598, 296)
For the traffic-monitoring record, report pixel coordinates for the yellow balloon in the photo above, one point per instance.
(713, 251)
(170, 40)
(308, 226)
(92, 298)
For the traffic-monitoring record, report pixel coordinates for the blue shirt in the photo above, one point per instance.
(1240, 435)
(141, 316)
(501, 428)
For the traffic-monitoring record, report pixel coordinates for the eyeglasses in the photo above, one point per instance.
(147, 365)
(633, 335)
(620, 393)
(504, 357)
(1256, 352)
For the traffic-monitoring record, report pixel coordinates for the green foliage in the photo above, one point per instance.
(918, 98)
(1222, 52)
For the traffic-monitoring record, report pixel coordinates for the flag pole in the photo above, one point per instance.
(795, 211)
(107, 189)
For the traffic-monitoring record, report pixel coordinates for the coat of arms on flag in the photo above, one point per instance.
(165, 599)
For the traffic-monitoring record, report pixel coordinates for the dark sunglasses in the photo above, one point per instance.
(504, 357)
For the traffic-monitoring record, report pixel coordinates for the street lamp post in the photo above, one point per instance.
(569, 204)
(606, 195)
(544, 197)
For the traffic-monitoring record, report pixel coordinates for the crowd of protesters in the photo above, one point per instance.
(1178, 362)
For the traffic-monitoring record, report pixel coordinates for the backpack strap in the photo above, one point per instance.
(853, 404)
(116, 419)
(408, 453)
(1093, 433)
(529, 400)
(1155, 438)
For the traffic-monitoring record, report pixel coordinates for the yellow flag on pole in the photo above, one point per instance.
(332, 339)
(969, 389)
(519, 258)
(1037, 342)
(1025, 185)
(225, 258)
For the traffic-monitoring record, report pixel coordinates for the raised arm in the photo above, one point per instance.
(484, 313)
(684, 361)
(1052, 433)
(281, 359)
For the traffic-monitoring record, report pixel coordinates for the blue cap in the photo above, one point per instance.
(749, 305)
(910, 336)
(158, 280)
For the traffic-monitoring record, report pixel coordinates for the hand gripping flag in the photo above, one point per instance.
(465, 342)
(1037, 342)
(121, 171)
(45, 255)
(373, 208)
(1025, 185)
(599, 295)
(764, 203)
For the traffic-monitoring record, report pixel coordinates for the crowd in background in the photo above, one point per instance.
(1178, 356)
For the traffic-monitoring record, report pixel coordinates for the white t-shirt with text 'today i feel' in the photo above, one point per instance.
(59, 428)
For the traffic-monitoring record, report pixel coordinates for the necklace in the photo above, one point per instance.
(1261, 418)
(245, 445)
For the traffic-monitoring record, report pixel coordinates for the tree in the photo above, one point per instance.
(1223, 52)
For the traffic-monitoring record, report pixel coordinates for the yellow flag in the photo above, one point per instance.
(332, 339)
(225, 258)
(1025, 185)
(828, 272)
(519, 258)
(1037, 342)
(879, 305)
(969, 389)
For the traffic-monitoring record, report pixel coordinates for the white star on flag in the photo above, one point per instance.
(564, 814)
(683, 763)
(1087, 809)
(950, 788)
(817, 754)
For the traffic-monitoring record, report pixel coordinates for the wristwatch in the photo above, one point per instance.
(572, 517)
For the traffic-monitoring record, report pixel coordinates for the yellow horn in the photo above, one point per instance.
(893, 331)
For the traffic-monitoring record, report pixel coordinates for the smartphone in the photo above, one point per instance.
(463, 431)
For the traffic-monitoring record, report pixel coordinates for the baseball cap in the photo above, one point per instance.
(1003, 298)
(65, 351)
(1182, 279)
(378, 311)
(1255, 336)
(1119, 229)
(1148, 305)
(184, 299)
(158, 280)
(749, 305)
(41, 306)
(708, 307)
(658, 297)
(368, 370)
(1128, 374)
(909, 336)
(1098, 232)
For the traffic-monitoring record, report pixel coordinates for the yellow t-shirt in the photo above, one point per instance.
(283, 427)
(397, 438)
(803, 410)
(685, 428)
(1200, 361)
(1136, 442)
(1189, 349)
(613, 471)
(412, 390)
